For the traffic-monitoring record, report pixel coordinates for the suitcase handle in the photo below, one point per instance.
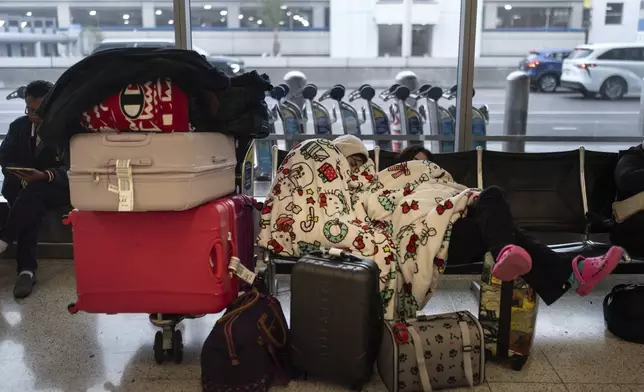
(336, 252)
(216, 257)
(133, 162)
(127, 139)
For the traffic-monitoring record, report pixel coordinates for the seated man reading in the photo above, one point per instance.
(35, 181)
(408, 218)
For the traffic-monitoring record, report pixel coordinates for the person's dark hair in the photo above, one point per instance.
(409, 153)
(38, 88)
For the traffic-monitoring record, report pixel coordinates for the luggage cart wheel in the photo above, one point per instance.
(177, 346)
(488, 355)
(518, 362)
(72, 309)
(159, 352)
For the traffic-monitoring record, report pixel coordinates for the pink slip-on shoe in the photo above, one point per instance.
(512, 262)
(595, 269)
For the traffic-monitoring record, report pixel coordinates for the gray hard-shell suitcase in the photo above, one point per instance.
(336, 317)
(136, 171)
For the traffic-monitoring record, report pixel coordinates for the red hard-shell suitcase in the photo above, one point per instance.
(173, 262)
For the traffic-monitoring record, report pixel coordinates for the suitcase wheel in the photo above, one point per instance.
(172, 349)
(518, 362)
(71, 308)
(159, 352)
(177, 346)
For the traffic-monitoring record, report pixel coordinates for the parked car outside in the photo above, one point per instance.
(544, 68)
(611, 70)
(229, 65)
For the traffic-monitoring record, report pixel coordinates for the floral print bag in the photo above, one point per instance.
(432, 352)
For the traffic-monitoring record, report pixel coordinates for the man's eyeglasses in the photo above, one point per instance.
(30, 111)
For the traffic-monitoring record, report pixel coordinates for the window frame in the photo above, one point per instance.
(135, 15)
(612, 17)
(383, 53)
(534, 17)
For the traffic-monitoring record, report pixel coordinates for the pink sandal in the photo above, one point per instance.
(512, 262)
(595, 269)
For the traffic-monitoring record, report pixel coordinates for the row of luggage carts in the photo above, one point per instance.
(412, 113)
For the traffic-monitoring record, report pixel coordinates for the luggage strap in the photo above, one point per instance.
(467, 350)
(422, 365)
(125, 185)
(420, 358)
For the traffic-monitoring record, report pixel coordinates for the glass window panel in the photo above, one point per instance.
(249, 17)
(327, 17)
(614, 13)
(209, 16)
(518, 16)
(421, 40)
(525, 17)
(285, 17)
(107, 17)
(389, 40)
(163, 17)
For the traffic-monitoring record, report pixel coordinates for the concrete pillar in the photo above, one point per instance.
(63, 15)
(233, 15)
(407, 29)
(38, 49)
(318, 16)
(148, 16)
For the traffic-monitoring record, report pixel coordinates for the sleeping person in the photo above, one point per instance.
(489, 227)
(328, 195)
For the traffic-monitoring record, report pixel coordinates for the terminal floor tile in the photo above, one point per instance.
(45, 349)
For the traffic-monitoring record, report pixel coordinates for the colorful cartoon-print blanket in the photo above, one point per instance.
(401, 218)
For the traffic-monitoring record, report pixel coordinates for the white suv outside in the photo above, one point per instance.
(611, 70)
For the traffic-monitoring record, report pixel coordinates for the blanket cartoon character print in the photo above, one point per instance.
(401, 218)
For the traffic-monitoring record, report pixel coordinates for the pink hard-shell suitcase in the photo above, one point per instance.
(154, 262)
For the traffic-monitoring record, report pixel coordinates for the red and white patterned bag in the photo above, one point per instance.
(154, 106)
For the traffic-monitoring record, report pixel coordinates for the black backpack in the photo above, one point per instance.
(246, 350)
(624, 312)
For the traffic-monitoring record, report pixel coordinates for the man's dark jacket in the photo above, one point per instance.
(18, 149)
(629, 178)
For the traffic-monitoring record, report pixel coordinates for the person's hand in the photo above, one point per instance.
(30, 175)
